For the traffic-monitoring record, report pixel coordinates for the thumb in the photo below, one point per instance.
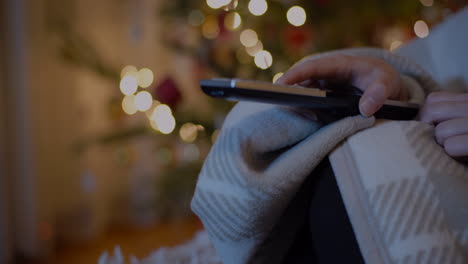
(372, 99)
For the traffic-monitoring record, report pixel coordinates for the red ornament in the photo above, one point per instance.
(168, 93)
(298, 38)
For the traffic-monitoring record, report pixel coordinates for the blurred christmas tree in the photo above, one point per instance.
(258, 39)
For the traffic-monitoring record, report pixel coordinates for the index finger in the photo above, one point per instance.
(335, 66)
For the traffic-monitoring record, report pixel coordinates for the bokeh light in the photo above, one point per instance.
(277, 76)
(258, 7)
(232, 21)
(188, 132)
(252, 51)
(128, 85)
(248, 38)
(215, 4)
(128, 70)
(128, 105)
(143, 101)
(296, 15)
(210, 28)
(145, 77)
(162, 119)
(421, 29)
(263, 59)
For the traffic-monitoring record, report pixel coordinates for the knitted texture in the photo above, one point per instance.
(257, 166)
(409, 203)
(254, 170)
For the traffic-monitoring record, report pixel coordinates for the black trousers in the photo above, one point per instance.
(326, 236)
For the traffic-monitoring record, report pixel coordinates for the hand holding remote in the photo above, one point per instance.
(377, 79)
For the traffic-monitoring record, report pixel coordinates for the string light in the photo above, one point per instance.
(296, 15)
(143, 101)
(252, 51)
(128, 105)
(145, 77)
(263, 59)
(258, 7)
(277, 76)
(248, 38)
(196, 18)
(232, 5)
(128, 85)
(421, 29)
(162, 119)
(210, 28)
(128, 70)
(188, 132)
(232, 21)
(215, 4)
(427, 2)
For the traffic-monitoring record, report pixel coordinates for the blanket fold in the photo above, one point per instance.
(257, 166)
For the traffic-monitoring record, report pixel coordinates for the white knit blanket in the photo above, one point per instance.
(246, 192)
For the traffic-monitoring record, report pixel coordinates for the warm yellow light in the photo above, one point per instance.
(188, 132)
(210, 28)
(248, 38)
(232, 5)
(162, 120)
(232, 21)
(258, 7)
(421, 29)
(128, 85)
(143, 101)
(277, 76)
(263, 59)
(252, 51)
(215, 4)
(145, 77)
(128, 105)
(395, 45)
(167, 126)
(159, 110)
(296, 16)
(427, 2)
(196, 18)
(129, 69)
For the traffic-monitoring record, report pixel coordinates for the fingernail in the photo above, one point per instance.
(366, 106)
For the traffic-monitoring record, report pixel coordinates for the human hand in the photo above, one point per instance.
(449, 113)
(379, 80)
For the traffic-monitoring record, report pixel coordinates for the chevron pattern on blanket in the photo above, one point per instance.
(424, 218)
